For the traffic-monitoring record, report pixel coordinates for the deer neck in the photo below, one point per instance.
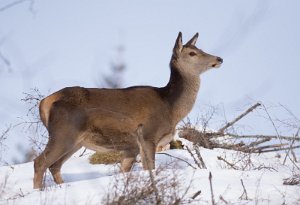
(181, 92)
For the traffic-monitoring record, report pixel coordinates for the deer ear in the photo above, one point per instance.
(193, 40)
(178, 44)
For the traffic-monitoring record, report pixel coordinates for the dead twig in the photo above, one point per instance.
(277, 149)
(194, 158)
(294, 180)
(200, 157)
(244, 192)
(222, 199)
(291, 150)
(228, 163)
(229, 124)
(260, 136)
(177, 158)
(196, 195)
(81, 154)
(211, 189)
(15, 3)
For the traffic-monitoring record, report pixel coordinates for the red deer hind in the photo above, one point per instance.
(104, 119)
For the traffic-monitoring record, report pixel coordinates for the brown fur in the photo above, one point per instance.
(105, 119)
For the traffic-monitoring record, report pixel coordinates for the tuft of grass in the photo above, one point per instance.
(176, 144)
(105, 158)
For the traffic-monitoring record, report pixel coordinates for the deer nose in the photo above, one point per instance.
(220, 60)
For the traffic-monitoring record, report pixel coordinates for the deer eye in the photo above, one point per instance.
(192, 53)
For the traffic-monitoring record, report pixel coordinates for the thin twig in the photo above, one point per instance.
(277, 149)
(178, 159)
(244, 192)
(82, 152)
(230, 164)
(222, 199)
(196, 194)
(260, 136)
(194, 158)
(199, 157)
(15, 3)
(229, 124)
(211, 189)
(252, 144)
(291, 150)
(6, 61)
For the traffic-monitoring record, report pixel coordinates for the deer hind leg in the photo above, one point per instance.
(52, 154)
(64, 124)
(39, 171)
(61, 145)
(55, 168)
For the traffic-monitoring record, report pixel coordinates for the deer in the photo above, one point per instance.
(103, 119)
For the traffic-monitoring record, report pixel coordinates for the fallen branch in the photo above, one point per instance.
(210, 140)
(259, 136)
(294, 180)
(278, 149)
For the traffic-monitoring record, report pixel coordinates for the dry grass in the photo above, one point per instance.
(136, 188)
(105, 158)
(176, 144)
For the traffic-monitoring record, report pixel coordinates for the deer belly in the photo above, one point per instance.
(105, 142)
(96, 147)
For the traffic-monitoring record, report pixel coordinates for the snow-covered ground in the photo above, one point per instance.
(89, 184)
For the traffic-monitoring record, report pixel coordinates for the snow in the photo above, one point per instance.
(89, 184)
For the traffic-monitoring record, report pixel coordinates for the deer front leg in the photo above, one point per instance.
(147, 152)
(128, 158)
(147, 149)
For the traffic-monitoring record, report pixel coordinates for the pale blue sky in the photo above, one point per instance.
(66, 42)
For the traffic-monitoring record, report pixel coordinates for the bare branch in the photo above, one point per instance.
(200, 157)
(228, 163)
(261, 136)
(6, 61)
(194, 158)
(178, 159)
(277, 149)
(16, 3)
(211, 189)
(294, 180)
(229, 124)
(244, 192)
(196, 194)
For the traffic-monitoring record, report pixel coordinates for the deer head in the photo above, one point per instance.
(191, 60)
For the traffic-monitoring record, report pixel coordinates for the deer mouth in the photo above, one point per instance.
(216, 65)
